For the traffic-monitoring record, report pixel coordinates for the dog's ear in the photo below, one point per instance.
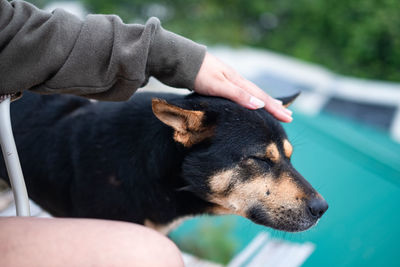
(188, 124)
(288, 100)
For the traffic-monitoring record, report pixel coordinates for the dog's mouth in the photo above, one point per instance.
(283, 219)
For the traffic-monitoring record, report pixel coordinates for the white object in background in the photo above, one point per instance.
(310, 103)
(192, 261)
(265, 251)
(243, 256)
(395, 127)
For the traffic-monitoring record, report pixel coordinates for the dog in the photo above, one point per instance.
(158, 158)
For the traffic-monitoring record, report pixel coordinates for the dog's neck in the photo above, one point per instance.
(161, 164)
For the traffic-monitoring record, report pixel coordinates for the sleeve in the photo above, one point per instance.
(100, 57)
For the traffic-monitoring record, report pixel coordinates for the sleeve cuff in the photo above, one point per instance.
(173, 59)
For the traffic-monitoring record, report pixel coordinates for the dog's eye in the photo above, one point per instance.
(261, 159)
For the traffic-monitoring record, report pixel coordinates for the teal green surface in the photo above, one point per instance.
(357, 170)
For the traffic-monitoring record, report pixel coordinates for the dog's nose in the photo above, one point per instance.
(317, 207)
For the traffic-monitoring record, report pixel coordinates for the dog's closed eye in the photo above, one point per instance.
(262, 159)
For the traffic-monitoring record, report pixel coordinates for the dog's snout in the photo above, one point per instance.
(317, 207)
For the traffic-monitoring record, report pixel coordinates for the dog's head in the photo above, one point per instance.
(239, 161)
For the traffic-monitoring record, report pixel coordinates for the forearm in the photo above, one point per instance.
(99, 57)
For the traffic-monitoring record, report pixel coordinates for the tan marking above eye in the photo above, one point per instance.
(287, 148)
(272, 152)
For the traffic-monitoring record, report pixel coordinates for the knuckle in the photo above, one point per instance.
(220, 77)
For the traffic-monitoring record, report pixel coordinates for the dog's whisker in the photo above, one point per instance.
(188, 188)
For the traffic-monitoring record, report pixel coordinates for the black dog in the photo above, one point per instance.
(155, 161)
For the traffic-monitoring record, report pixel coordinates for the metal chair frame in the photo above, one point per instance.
(11, 159)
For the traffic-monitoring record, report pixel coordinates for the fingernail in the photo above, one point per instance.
(257, 103)
(278, 102)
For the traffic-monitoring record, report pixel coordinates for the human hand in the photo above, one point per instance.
(217, 79)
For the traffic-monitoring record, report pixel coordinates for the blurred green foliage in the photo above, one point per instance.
(354, 37)
(211, 241)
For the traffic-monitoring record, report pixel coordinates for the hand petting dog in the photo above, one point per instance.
(215, 78)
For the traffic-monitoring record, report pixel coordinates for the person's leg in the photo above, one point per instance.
(82, 242)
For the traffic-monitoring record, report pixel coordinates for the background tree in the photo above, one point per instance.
(353, 37)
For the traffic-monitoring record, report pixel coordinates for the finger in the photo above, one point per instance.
(238, 95)
(253, 89)
(280, 104)
(272, 105)
(256, 91)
